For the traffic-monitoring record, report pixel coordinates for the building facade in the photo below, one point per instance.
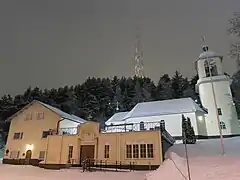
(30, 128)
(213, 87)
(48, 140)
(147, 116)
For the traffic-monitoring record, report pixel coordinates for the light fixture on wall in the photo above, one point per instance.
(200, 118)
(29, 147)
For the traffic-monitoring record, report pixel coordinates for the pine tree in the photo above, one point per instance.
(184, 129)
(191, 139)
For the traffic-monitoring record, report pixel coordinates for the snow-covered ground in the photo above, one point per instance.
(210, 147)
(8, 172)
(205, 164)
(205, 161)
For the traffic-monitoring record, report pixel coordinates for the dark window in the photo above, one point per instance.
(18, 135)
(143, 151)
(135, 151)
(222, 125)
(106, 151)
(162, 125)
(219, 111)
(41, 155)
(129, 151)
(40, 115)
(45, 134)
(150, 150)
(28, 116)
(142, 126)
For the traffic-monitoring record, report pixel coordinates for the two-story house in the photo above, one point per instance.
(30, 127)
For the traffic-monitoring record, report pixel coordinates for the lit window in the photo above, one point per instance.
(106, 151)
(40, 116)
(143, 151)
(222, 125)
(135, 151)
(150, 150)
(18, 135)
(219, 111)
(129, 151)
(41, 155)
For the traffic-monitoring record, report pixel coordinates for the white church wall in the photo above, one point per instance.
(224, 101)
(201, 123)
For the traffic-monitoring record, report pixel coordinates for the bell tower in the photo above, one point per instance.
(215, 94)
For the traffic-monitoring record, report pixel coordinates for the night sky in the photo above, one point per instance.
(52, 43)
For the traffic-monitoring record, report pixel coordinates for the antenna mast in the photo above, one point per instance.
(138, 55)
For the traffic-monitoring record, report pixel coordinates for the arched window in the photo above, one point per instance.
(210, 68)
(222, 125)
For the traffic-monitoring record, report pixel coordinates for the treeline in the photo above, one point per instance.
(98, 98)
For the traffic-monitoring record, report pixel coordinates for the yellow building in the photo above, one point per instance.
(42, 135)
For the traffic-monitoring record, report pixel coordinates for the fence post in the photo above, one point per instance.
(120, 165)
(116, 165)
(100, 164)
(130, 166)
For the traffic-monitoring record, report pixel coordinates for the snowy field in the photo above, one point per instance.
(205, 164)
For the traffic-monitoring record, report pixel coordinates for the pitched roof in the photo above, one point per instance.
(54, 109)
(120, 116)
(63, 114)
(158, 108)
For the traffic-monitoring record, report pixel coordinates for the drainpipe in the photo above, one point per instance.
(58, 124)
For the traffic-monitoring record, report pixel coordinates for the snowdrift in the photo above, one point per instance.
(204, 168)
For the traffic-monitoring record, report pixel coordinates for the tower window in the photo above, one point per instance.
(219, 111)
(210, 68)
(222, 125)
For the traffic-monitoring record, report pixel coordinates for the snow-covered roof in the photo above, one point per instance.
(156, 108)
(208, 54)
(120, 116)
(63, 114)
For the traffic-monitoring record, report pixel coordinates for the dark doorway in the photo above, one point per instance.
(86, 152)
(28, 157)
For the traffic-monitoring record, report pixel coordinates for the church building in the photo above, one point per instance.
(218, 114)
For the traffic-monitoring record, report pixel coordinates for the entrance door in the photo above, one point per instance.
(28, 156)
(87, 151)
